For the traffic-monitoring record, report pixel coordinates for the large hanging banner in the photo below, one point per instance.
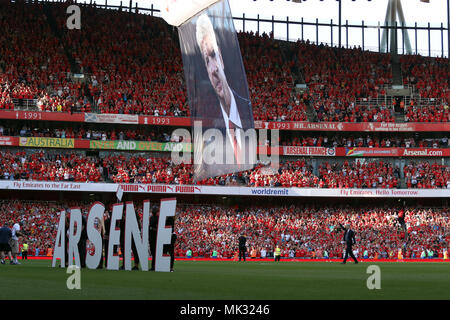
(221, 111)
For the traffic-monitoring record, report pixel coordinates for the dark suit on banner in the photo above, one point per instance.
(229, 148)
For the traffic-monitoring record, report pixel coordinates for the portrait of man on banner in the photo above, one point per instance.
(218, 93)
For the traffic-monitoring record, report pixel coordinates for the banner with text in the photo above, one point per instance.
(308, 151)
(395, 152)
(218, 94)
(140, 145)
(223, 191)
(259, 124)
(111, 118)
(9, 141)
(360, 126)
(41, 142)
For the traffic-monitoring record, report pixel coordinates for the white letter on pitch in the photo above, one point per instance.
(60, 243)
(94, 235)
(132, 233)
(167, 209)
(114, 237)
(75, 217)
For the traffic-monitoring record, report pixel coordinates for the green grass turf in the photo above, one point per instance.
(205, 280)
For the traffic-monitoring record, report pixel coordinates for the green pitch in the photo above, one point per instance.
(206, 280)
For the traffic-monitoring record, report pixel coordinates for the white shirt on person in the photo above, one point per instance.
(234, 117)
(15, 229)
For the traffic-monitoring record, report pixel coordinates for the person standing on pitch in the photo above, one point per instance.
(171, 247)
(133, 245)
(349, 239)
(14, 242)
(104, 225)
(153, 231)
(242, 247)
(277, 253)
(66, 237)
(25, 251)
(82, 243)
(122, 240)
(5, 237)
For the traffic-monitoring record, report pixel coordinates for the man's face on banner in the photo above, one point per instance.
(214, 66)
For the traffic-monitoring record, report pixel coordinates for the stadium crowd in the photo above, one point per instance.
(424, 175)
(429, 75)
(300, 232)
(32, 60)
(76, 167)
(374, 174)
(337, 77)
(151, 169)
(309, 232)
(90, 133)
(135, 67)
(270, 81)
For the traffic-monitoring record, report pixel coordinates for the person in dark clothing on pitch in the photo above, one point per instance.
(82, 243)
(106, 224)
(133, 244)
(5, 248)
(66, 238)
(349, 239)
(173, 240)
(122, 240)
(242, 247)
(170, 249)
(153, 231)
